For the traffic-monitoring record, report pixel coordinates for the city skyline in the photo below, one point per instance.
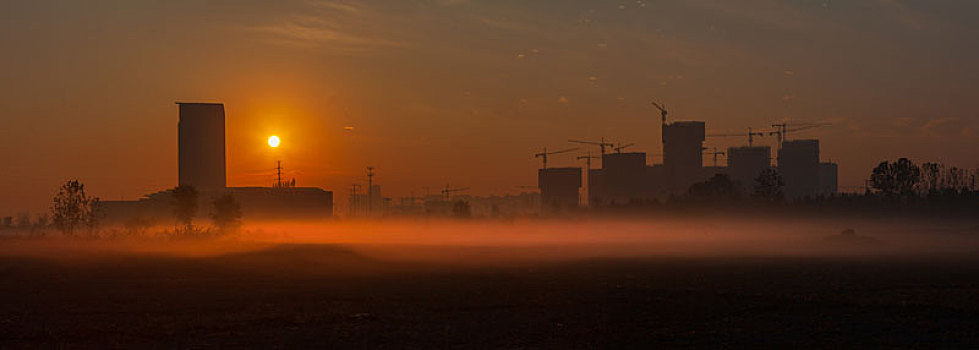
(426, 106)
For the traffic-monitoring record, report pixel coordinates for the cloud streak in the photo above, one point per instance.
(335, 26)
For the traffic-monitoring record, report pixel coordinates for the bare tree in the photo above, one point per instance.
(768, 186)
(718, 187)
(95, 214)
(40, 226)
(930, 175)
(896, 178)
(226, 213)
(23, 221)
(185, 205)
(73, 208)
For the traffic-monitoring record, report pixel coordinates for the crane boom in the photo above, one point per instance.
(715, 153)
(662, 110)
(543, 155)
(622, 147)
(601, 144)
(750, 134)
(782, 130)
(449, 191)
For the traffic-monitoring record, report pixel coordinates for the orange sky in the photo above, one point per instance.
(465, 91)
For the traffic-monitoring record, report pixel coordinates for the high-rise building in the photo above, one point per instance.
(623, 176)
(683, 157)
(798, 162)
(744, 164)
(559, 188)
(828, 173)
(200, 145)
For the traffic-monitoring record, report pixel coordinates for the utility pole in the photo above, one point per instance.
(370, 191)
(354, 203)
(278, 174)
(716, 153)
(587, 178)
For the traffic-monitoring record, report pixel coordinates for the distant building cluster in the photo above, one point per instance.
(201, 164)
(626, 177)
(623, 178)
(446, 202)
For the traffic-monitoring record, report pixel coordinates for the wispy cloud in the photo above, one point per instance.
(336, 26)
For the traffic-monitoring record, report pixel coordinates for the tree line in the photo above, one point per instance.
(891, 186)
(74, 213)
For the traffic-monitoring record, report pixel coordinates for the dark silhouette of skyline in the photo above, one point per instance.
(201, 145)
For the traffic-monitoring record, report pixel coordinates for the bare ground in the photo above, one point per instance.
(303, 296)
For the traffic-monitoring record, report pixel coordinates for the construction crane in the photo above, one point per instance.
(601, 144)
(588, 157)
(751, 136)
(543, 155)
(662, 111)
(782, 130)
(447, 191)
(622, 147)
(715, 153)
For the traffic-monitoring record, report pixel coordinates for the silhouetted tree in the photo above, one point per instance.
(136, 226)
(226, 213)
(956, 179)
(95, 215)
(73, 208)
(185, 205)
(718, 187)
(24, 221)
(897, 178)
(930, 176)
(40, 225)
(768, 186)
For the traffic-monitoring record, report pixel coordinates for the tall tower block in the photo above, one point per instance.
(745, 164)
(798, 161)
(559, 188)
(200, 145)
(683, 158)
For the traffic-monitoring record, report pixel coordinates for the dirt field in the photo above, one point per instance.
(320, 295)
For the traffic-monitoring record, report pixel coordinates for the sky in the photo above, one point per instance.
(464, 92)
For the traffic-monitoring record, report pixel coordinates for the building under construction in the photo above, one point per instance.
(744, 164)
(559, 188)
(625, 178)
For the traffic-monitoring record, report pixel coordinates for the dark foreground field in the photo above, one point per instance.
(303, 296)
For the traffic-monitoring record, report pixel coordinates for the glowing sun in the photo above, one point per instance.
(274, 141)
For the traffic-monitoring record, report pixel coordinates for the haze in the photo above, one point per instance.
(465, 91)
(453, 243)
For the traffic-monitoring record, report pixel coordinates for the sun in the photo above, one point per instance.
(273, 141)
